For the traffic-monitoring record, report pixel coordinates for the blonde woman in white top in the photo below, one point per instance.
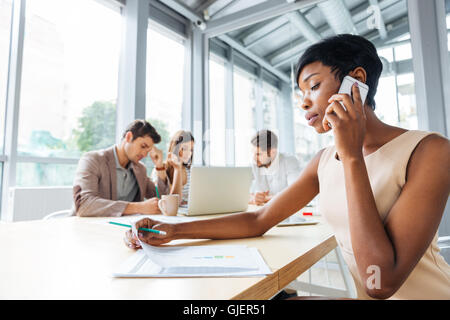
(180, 153)
(383, 189)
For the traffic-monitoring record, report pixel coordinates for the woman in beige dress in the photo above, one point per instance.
(383, 189)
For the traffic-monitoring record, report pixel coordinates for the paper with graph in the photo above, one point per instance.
(194, 261)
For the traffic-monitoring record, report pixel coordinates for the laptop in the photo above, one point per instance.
(218, 190)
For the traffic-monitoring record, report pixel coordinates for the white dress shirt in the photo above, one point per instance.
(282, 172)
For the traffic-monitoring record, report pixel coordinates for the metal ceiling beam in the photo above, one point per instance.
(262, 62)
(254, 14)
(296, 18)
(154, 4)
(281, 55)
(227, 6)
(183, 9)
(251, 44)
(277, 57)
(188, 13)
(300, 46)
(205, 5)
(305, 27)
(338, 16)
(113, 4)
(258, 31)
(399, 28)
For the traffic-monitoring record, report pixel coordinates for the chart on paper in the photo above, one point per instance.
(194, 261)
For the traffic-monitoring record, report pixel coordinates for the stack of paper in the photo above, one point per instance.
(194, 261)
(131, 219)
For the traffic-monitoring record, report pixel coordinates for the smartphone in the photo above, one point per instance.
(176, 150)
(346, 87)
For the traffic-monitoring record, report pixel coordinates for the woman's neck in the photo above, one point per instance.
(377, 132)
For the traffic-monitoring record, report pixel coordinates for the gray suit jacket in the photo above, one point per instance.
(95, 185)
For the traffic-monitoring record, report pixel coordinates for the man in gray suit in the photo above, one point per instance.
(113, 182)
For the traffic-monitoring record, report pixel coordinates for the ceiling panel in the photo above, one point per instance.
(279, 41)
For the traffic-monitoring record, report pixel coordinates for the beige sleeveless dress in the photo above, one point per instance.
(386, 169)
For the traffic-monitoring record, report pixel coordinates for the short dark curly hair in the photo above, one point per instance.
(142, 128)
(344, 53)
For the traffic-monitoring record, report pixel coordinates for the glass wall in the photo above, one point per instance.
(217, 116)
(307, 141)
(69, 79)
(395, 98)
(244, 115)
(5, 31)
(31, 174)
(165, 72)
(250, 111)
(270, 103)
(69, 86)
(448, 33)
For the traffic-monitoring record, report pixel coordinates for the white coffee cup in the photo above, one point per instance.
(169, 204)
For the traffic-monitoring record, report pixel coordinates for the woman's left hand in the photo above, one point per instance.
(174, 161)
(349, 126)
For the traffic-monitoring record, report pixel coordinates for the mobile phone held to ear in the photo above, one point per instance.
(346, 88)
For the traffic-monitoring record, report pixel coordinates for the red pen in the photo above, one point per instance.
(309, 213)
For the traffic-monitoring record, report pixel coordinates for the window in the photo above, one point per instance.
(386, 100)
(69, 79)
(270, 101)
(165, 75)
(5, 31)
(395, 98)
(407, 101)
(217, 109)
(403, 52)
(448, 33)
(307, 141)
(68, 89)
(31, 174)
(244, 116)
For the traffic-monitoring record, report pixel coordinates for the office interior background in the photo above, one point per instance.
(73, 73)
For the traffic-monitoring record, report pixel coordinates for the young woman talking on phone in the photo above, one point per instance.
(383, 189)
(179, 155)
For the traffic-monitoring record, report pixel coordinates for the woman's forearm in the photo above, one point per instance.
(177, 183)
(232, 226)
(371, 244)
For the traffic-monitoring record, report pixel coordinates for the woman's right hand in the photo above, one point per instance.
(150, 238)
(157, 156)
